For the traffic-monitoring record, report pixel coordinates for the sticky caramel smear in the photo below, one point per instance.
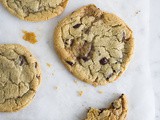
(30, 37)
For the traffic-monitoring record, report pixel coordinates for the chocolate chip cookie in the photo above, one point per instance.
(95, 46)
(35, 10)
(117, 111)
(20, 77)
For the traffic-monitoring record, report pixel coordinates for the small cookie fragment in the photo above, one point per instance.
(80, 93)
(100, 92)
(20, 77)
(56, 87)
(117, 111)
(95, 46)
(35, 10)
(75, 81)
(48, 65)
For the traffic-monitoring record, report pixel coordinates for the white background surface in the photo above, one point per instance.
(155, 51)
(64, 104)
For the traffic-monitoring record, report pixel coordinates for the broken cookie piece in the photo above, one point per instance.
(20, 76)
(95, 46)
(117, 111)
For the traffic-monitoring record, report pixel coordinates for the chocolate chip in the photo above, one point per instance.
(36, 64)
(102, 109)
(103, 61)
(38, 76)
(65, 43)
(121, 95)
(123, 37)
(70, 63)
(72, 42)
(72, 12)
(86, 31)
(77, 26)
(69, 42)
(85, 59)
(109, 76)
(22, 60)
(102, 16)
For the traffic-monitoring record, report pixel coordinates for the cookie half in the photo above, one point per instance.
(35, 10)
(20, 76)
(117, 111)
(95, 46)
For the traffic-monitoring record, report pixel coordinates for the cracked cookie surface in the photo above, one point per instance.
(35, 10)
(20, 77)
(94, 45)
(117, 111)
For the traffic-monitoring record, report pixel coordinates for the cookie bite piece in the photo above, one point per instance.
(95, 46)
(117, 111)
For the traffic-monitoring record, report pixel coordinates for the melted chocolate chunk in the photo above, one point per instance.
(103, 61)
(77, 26)
(22, 60)
(86, 51)
(70, 63)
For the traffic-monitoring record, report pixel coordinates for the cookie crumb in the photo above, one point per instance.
(30, 37)
(100, 92)
(80, 93)
(75, 81)
(49, 65)
(56, 87)
(137, 12)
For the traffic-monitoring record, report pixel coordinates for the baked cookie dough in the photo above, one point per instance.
(117, 111)
(35, 10)
(94, 45)
(20, 77)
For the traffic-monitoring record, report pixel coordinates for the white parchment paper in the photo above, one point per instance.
(64, 103)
